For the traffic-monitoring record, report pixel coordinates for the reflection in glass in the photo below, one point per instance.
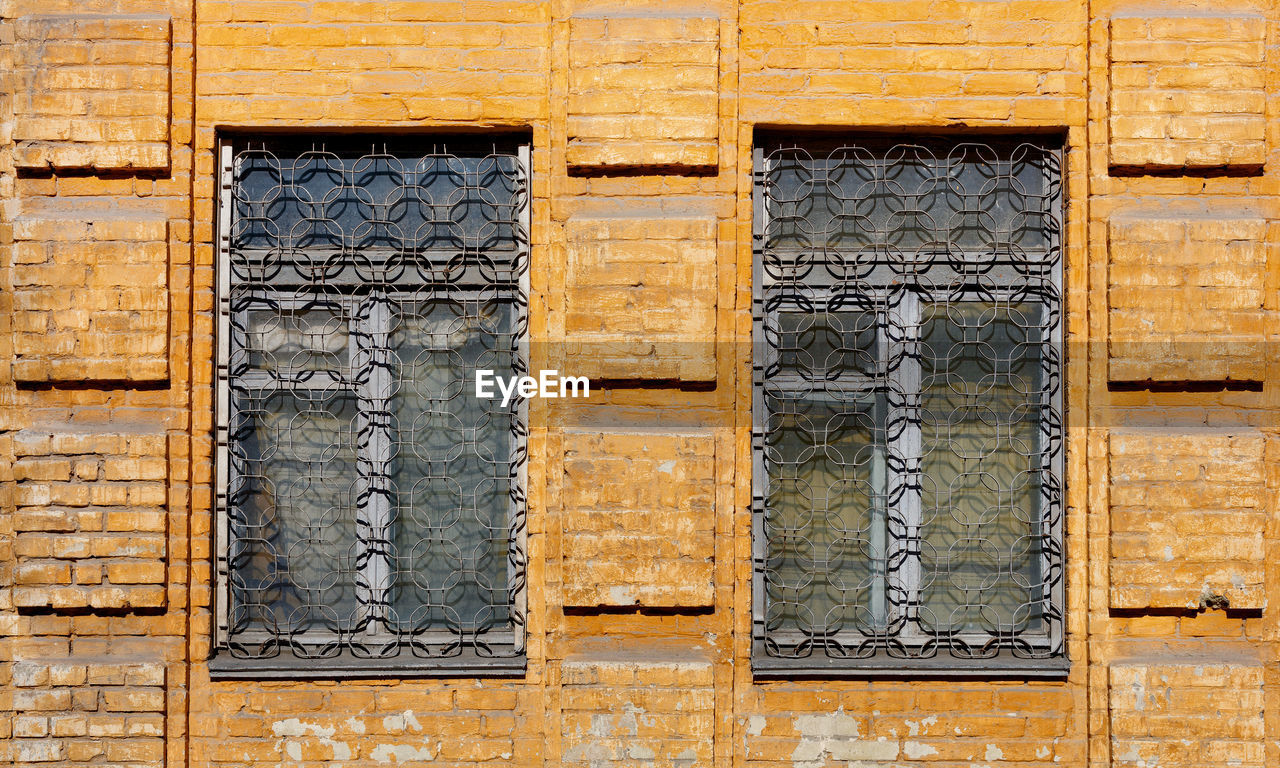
(983, 389)
(451, 471)
(293, 525)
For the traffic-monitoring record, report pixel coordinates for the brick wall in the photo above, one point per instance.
(90, 292)
(643, 118)
(1156, 702)
(1187, 89)
(78, 709)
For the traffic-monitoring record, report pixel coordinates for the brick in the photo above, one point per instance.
(650, 536)
(656, 259)
(1186, 711)
(652, 702)
(110, 259)
(97, 97)
(109, 556)
(1185, 294)
(619, 532)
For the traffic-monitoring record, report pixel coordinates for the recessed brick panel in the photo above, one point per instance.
(1185, 712)
(375, 62)
(1188, 511)
(90, 711)
(91, 299)
(92, 91)
(818, 62)
(1186, 295)
(637, 526)
(640, 290)
(1187, 91)
(90, 517)
(652, 705)
(643, 89)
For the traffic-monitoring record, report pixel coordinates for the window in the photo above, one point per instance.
(371, 508)
(908, 407)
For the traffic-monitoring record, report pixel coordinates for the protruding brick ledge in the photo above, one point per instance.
(643, 89)
(92, 91)
(1186, 293)
(640, 289)
(1188, 510)
(1187, 90)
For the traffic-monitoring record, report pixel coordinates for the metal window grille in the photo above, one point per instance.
(370, 507)
(908, 407)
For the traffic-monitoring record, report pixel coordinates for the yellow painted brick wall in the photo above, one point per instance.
(1187, 711)
(373, 63)
(90, 518)
(90, 292)
(1188, 513)
(640, 290)
(642, 117)
(624, 708)
(75, 710)
(642, 89)
(648, 538)
(819, 62)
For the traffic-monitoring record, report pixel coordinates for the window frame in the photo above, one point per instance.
(467, 662)
(903, 313)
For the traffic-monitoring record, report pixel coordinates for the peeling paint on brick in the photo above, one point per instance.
(400, 753)
(836, 736)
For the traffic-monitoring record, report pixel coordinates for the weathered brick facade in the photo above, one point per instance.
(642, 118)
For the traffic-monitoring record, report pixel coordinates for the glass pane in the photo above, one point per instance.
(824, 346)
(886, 201)
(452, 467)
(294, 338)
(294, 549)
(351, 196)
(983, 464)
(824, 515)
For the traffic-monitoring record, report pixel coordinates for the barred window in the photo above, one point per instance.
(908, 407)
(370, 507)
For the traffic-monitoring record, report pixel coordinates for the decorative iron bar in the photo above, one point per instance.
(371, 507)
(908, 401)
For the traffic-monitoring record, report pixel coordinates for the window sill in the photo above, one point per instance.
(883, 666)
(224, 666)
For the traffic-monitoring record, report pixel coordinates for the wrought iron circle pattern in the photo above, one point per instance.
(908, 400)
(374, 508)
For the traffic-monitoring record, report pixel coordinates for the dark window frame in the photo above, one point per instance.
(803, 264)
(446, 268)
